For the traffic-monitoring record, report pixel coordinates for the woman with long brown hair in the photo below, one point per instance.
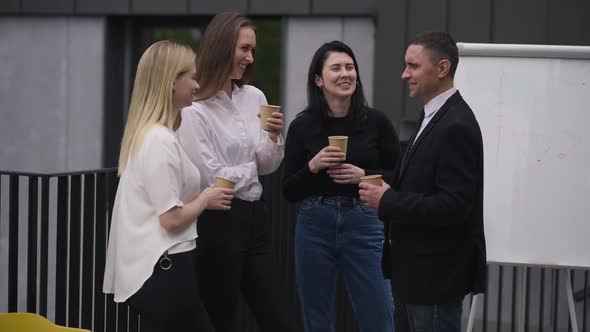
(221, 134)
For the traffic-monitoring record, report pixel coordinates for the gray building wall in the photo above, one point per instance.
(51, 106)
(51, 93)
(184, 7)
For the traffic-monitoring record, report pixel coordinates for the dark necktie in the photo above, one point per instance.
(412, 139)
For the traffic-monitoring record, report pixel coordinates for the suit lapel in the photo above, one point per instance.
(412, 138)
(455, 98)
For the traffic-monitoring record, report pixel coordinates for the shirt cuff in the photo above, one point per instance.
(169, 206)
(280, 141)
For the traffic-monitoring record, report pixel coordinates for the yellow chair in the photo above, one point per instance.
(27, 322)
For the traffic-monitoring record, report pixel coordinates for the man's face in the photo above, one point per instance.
(422, 75)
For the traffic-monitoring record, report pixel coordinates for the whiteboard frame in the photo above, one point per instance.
(523, 51)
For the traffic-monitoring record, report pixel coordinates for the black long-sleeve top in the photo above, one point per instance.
(373, 145)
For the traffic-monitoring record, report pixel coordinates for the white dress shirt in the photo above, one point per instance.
(432, 107)
(221, 135)
(158, 177)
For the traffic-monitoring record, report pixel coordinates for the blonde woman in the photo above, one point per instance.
(151, 253)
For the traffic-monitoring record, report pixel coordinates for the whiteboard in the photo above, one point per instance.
(532, 103)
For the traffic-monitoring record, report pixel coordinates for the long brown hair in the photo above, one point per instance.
(215, 58)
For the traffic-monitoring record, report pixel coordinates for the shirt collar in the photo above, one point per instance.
(437, 102)
(235, 89)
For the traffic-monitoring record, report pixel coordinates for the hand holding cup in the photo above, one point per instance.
(340, 142)
(327, 157)
(371, 194)
(346, 174)
(271, 120)
(218, 198)
(376, 180)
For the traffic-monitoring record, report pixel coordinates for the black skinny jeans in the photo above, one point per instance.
(169, 300)
(234, 255)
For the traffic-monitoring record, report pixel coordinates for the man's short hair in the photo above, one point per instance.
(441, 46)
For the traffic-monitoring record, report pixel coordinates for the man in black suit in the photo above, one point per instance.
(434, 242)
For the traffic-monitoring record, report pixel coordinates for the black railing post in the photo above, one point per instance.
(100, 249)
(572, 283)
(486, 296)
(585, 305)
(122, 317)
(61, 263)
(542, 300)
(514, 291)
(500, 290)
(13, 243)
(32, 244)
(44, 246)
(88, 270)
(556, 302)
(111, 306)
(133, 321)
(74, 250)
(527, 298)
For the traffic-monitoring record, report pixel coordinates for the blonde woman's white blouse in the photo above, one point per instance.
(221, 135)
(158, 177)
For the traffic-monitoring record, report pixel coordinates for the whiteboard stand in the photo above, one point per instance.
(570, 300)
(472, 310)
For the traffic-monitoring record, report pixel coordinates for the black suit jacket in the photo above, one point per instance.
(435, 246)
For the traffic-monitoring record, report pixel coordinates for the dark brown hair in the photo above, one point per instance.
(316, 101)
(215, 58)
(441, 46)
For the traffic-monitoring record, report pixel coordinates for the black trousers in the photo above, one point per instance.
(234, 255)
(401, 322)
(169, 300)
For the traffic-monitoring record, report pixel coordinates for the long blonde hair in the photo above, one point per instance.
(151, 100)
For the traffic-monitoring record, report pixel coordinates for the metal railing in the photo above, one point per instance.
(53, 240)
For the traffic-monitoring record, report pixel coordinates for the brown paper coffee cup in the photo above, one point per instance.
(224, 183)
(375, 180)
(339, 142)
(265, 113)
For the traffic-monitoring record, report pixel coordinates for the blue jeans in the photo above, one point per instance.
(341, 235)
(436, 317)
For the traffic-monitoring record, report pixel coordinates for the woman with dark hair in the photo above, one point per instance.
(336, 232)
(221, 134)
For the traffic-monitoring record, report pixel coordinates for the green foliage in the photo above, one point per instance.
(189, 36)
(267, 72)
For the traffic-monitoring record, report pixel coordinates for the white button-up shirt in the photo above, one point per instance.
(158, 177)
(432, 107)
(221, 135)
